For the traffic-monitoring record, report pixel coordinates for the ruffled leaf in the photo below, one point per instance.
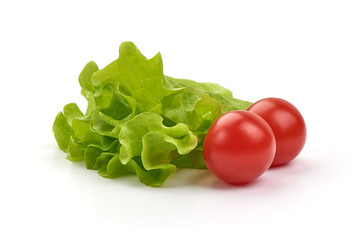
(62, 131)
(146, 131)
(87, 87)
(198, 105)
(193, 160)
(115, 168)
(134, 75)
(146, 138)
(154, 177)
(62, 126)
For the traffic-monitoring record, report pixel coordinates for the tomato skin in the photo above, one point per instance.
(239, 147)
(287, 124)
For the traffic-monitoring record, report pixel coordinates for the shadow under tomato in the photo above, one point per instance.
(205, 179)
(285, 165)
(273, 178)
(223, 185)
(296, 166)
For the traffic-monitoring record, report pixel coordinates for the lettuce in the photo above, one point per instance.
(139, 121)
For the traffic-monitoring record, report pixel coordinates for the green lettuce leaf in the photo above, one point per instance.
(87, 88)
(139, 121)
(62, 126)
(134, 75)
(146, 136)
(199, 104)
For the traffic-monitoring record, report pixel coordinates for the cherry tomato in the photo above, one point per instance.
(287, 124)
(239, 147)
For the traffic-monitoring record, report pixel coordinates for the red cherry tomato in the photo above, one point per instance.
(239, 147)
(287, 124)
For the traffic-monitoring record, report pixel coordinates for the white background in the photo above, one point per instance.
(307, 52)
